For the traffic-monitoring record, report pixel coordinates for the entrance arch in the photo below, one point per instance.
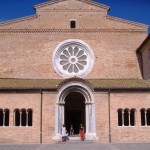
(85, 93)
(75, 111)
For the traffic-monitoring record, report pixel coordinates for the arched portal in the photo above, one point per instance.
(75, 111)
(67, 95)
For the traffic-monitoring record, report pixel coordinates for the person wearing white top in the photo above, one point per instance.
(63, 133)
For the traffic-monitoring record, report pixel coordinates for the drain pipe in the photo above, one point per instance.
(109, 115)
(41, 118)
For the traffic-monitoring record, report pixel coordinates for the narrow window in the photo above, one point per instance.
(148, 117)
(29, 117)
(17, 117)
(6, 123)
(132, 117)
(72, 24)
(143, 117)
(1, 117)
(119, 117)
(23, 117)
(126, 117)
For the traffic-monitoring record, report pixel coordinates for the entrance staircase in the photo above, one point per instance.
(76, 139)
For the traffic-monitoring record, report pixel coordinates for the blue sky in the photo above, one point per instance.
(134, 10)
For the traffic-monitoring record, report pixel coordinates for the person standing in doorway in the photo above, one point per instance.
(71, 130)
(81, 132)
(63, 133)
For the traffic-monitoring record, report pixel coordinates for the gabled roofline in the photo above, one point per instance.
(50, 2)
(127, 21)
(143, 43)
(18, 20)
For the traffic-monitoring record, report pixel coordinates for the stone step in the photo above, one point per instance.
(76, 139)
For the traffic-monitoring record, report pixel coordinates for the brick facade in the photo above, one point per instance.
(13, 134)
(26, 49)
(130, 100)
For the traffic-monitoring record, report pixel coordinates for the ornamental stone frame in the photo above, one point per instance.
(73, 57)
(89, 108)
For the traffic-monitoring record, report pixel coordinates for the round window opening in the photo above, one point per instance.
(73, 58)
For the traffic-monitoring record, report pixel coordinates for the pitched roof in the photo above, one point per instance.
(127, 21)
(18, 20)
(91, 2)
(50, 2)
(101, 84)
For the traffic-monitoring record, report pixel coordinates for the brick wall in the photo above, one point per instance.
(48, 117)
(118, 134)
(30, 55)
(102, 117)
(16, 134)
(146, 63)
(127, 134)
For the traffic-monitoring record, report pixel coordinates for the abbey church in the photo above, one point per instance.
(72, 63)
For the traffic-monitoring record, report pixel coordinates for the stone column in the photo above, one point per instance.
(87, 117)
(129, 117)
(145, 114)
(122, 112)
(20, 118)
(59, 120)
(4, 117)
(90, 121)
(27, 113)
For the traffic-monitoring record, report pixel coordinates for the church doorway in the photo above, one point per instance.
(74, 111)
(75, 105)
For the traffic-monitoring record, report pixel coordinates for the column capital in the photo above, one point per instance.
(86, 103)
(61, 103)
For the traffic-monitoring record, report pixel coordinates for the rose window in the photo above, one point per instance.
(73, 58)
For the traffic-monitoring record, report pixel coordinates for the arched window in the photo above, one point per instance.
(17, 117)
(126, 117)
(29, 117)
(120, 121)
(4, 117)
(6, 112)
(148, 117)
(145, 117)
(23, 117)
(1, 117)
(132, 117)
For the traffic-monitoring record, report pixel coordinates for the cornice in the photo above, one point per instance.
(70, 10)
(18, 20)
(127, 21)
(72, 30)
(50, 2)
